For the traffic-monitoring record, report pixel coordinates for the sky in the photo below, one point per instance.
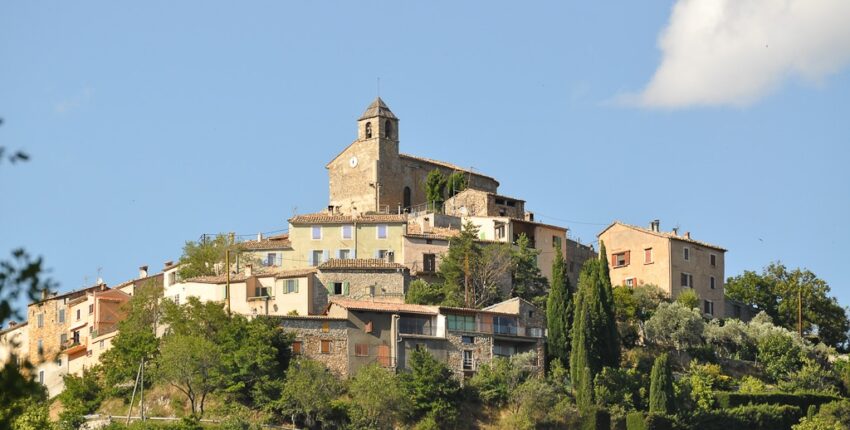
(150, 124)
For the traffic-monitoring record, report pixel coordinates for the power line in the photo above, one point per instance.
(571, 221)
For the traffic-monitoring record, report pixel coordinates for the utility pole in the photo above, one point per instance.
(227, 270)
(133, 397)
(142, 394)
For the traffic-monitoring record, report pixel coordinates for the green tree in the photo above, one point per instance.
(779, 355)
(455, 183)
(82, 395)
(776, 291)
(192, 365)
(675, 326)
(528, 283)
(611, 355)
(463, 251)
(661, 386)
(34, 416)
(207, 257)
(618, 390)
(496, 381)
(435, 189)
(559, 311)
(309, 393)
(432, 388)
(488, 267)
(378, 400)
(530, 404)
(423, 293)
(136, 338)
(688, 299)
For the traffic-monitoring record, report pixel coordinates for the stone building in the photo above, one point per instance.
(370, 175)
(365, 279)
(671, 261)
(472, 202)
(576, 254)
(387, 333)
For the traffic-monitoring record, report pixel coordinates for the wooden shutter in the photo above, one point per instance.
(384, 355)
(628, 257)
(345, 288)
(613, 260)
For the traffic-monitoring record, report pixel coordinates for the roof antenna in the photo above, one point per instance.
(379, 86)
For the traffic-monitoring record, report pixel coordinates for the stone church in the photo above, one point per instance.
(370, 175)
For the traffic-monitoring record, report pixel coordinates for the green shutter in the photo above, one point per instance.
(345, 288)
(295, 281)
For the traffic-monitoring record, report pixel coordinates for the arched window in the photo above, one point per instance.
(368, 130)
(388, 129)
(407, 199)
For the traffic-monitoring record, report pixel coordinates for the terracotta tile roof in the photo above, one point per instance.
(665, 234)
(271, 242)
(308, 317)
(261, 272)
(360, 264)
(360, 305)
(368, 218)
(445, 165)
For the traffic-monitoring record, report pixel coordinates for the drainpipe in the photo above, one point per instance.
(355, 238)
(396, 340)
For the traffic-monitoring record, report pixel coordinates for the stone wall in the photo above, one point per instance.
(482, 351)
(366, 284)
(312, 331)
(576, 255)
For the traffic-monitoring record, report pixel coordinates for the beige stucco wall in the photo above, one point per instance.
(205, 292)
(363, 244)
(279, 303)
(14, 342)
(413, 249)
(699, 266)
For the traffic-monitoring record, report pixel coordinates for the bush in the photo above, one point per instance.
(779, 355)
(659, 422)
(596, 419)
(636, 421)
(750, 417)
(832, 416)
(675, 326)
(728, 400)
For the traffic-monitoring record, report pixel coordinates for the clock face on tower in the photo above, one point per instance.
(352, 162)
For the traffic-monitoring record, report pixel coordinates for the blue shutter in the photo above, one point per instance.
(325, 254)
(295, 281)
(310, 259)
(377, 253)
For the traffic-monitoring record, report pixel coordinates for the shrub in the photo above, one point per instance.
(779, 355)
(595, 419)
(750, 417)
(659, 422)
(812, 377)
(751, 385)
(675, 326)
(636, 421)
(832, 416)
(728, 400)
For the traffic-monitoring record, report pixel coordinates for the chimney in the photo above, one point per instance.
(676, 231)
(655, 225)
(330, 210)
(99, 281)
(168, 264)
(12, 324)
(687, 235)
(45, 294)
(248, 270)
(143, 272)
(529, 216)
(259, 237)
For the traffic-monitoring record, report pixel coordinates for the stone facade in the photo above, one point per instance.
(366, 284)
(370, 175)
(577, 254)
(312, 331)
(472, 202)
(668, 260)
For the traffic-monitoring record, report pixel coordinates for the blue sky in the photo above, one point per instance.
(151, 124)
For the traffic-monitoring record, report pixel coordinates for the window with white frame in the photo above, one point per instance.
(708, 307)
(686, 253)
(290, 286)
(382, 231)
(61, 316)
(345, 254)
(468, 362)
(347, 231)
(687, 280)
(316, 232)
(630, 282)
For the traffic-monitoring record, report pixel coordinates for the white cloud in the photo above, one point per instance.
(74, 102)
(733, 52)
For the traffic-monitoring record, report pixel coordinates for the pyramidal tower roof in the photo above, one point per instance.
(377, 108)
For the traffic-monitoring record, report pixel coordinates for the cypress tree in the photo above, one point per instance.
(611, 356)
(661, 386)
(559, 311)
(588, 335)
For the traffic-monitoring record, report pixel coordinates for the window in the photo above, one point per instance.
(91, 309)
(630, 282)
(296, 347)
(326, 347)
(61, 316)
(346, 232)
(326, 327)
(621, 259)
(40, 318)
(339, 288)
(468, 363)
(408, 200)
(385, 254)
(317, 257)
(172, 278)
(500, 231)
(41, 377)
(316, 232)
(361, 350)
(712, 258)
(388, 129)
(290, 286)
(63, 338)
(382, 231)
(467, 340)
(40, 346)
(711, 282)
(504, 350)
(647, 256)
(78, 314)
(556, 242)
(429, 263)
(461, 322)
(708, 307)
(271, 259)
(102, 344)
(686, 253)
(344, 254)
(368, 130)
(687, 280)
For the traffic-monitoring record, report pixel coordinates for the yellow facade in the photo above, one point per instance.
(363, 242)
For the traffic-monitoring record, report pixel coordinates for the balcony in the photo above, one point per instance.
(261, 293)
(416, 326)
(500, 329)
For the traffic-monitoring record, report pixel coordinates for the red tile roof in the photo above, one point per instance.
(361, 305)
(261, 272)
(271, 242)
(669, 235)
(360, 264)
(368, 218)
